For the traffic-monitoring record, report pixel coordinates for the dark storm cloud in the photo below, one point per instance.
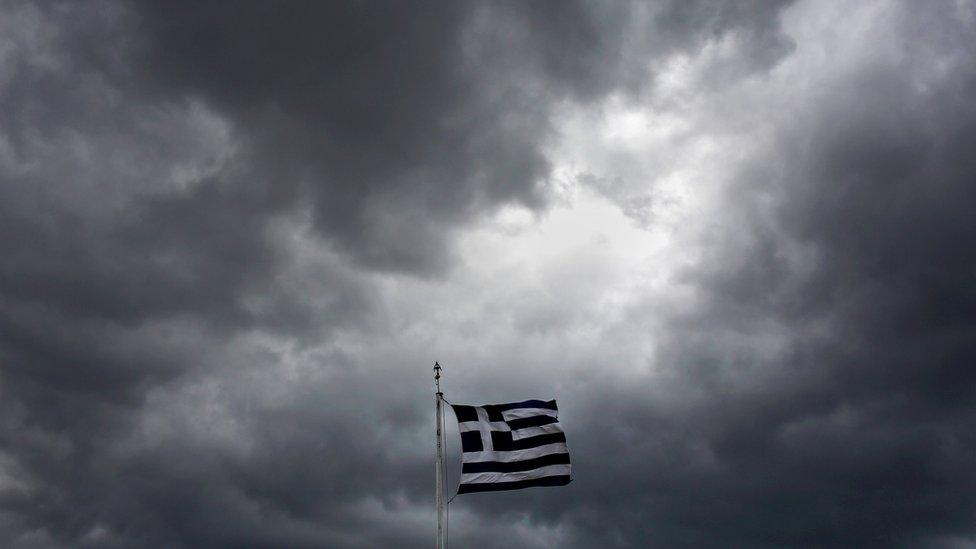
(196, 196)
(156, 158)
(408, 119)
(395, 135)
(859, 432)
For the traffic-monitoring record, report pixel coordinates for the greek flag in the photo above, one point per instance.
(511, 446)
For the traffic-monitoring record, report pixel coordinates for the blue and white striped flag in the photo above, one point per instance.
(511, 446)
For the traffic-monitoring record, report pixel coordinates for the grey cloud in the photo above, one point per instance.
(195, 196)
(410, 119)
(395, 138)
(859, 433)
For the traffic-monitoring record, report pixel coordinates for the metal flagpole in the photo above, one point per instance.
(439, 396)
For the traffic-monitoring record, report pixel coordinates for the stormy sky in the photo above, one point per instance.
(735, 240)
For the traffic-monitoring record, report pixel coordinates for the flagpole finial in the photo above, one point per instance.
(437, 376)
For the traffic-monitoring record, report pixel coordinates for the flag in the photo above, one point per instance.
(511, 446)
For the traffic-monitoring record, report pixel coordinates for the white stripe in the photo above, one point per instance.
(515, 455)
(466, 426)
(486, 478)
(520, 413)
(533, 431)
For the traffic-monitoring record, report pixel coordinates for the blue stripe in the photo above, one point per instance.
(515, 466)
(550, 404)
(559, 480)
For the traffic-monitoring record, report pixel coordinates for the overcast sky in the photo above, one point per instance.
(735, 240)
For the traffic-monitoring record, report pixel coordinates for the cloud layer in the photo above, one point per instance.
(734, 241)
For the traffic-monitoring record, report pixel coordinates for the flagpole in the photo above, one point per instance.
(439, 468)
